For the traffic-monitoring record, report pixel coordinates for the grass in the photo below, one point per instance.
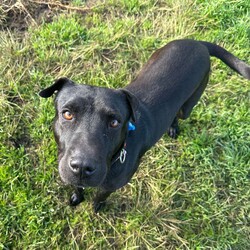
(189, 193)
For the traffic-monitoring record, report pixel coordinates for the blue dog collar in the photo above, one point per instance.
(131, 127)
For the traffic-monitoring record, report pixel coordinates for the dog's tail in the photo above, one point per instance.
(229, 59)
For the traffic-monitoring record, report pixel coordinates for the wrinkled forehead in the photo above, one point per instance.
(91, 96)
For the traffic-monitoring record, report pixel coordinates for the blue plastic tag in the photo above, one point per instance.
(131, 127)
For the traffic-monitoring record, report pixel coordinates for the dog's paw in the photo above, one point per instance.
(76, 199)
(173, 132)
(97, 206)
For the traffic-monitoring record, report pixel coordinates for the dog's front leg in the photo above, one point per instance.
(174, 130)
(77, 197)
(99, 201)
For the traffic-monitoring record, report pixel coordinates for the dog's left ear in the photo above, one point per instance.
(133, 103)
(56, 86)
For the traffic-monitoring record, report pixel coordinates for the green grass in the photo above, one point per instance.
(189, 193)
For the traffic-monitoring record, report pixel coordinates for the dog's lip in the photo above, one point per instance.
(86, 182)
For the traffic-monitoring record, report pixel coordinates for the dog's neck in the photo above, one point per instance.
(122, 152)
(120, 155)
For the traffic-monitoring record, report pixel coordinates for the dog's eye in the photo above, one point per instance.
(67, 115)
(114, 123)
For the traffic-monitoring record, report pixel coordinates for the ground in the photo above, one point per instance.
(189, 193)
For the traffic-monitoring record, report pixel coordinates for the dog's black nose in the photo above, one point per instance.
(79, 167)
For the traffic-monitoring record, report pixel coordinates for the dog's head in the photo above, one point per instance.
(90, 127)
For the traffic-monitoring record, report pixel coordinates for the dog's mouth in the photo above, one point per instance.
(82, 176)
(78, 181)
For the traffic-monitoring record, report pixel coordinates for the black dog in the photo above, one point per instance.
(102, 133)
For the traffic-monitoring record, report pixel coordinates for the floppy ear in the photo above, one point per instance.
(57, 86)
(133, 103)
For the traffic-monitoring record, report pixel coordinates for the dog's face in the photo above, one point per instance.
(90, 126)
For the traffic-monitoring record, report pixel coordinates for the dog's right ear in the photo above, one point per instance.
(57, 86)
